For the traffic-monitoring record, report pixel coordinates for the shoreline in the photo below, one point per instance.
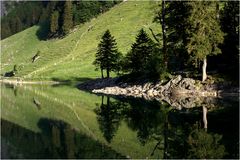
(20, 82)
(177, 87)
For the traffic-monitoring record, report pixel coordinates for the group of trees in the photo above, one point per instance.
(65, 15)
(19, 16)
(59, 16)
(191, 32)
(139, 59)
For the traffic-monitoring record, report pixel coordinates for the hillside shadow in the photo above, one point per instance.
(74, 82)
(42, 32)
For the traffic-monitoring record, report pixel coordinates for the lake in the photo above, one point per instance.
(61, 121)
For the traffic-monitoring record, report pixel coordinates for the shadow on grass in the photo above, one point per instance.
(42, 32)
(71, 82)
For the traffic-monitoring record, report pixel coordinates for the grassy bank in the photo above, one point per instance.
(71, 57)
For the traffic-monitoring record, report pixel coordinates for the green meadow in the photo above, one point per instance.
(71, 57)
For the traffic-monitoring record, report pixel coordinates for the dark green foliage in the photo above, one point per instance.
(54, 22)
(109, 117)
(16, 25)
(230, 48)
(5, 30)
(56, 140)
(205, 145)
(107, 56)
(21, 16)
(140, 54)
(176, 22)
(204, 33)
(67, 17)
(192, 32)
(30, 13)
(155, 67)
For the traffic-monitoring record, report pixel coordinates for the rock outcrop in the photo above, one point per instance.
(178, 92)
(177, 86)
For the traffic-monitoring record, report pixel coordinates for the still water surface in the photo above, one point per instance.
(64, 122)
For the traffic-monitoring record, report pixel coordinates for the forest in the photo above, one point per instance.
(59, 16)
(194, 35)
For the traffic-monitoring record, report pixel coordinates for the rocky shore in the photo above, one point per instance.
(178, 91)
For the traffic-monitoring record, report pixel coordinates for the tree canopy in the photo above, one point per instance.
(107, 54)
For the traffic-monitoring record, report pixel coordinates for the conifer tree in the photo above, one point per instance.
(67, 17)
(204, 32)
(54, 22)
(140, 53)
(107, 54)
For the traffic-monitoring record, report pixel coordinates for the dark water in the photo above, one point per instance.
(63, 122)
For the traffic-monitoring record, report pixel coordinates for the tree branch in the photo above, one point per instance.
(154, 36)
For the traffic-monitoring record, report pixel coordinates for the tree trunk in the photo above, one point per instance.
(108, 73)
(108, 102)
(102, 99)
(102, 73)
(164, 33)
(204, 69)
(205, 117)
(165, 151)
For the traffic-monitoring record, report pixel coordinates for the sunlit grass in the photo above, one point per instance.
(72, 56)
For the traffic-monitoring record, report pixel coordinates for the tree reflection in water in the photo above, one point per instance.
(177, 135)
(204, 145)
(109, 116)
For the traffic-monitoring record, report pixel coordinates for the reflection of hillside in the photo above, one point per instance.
(71, 106)
(56, 140)
(133, 127)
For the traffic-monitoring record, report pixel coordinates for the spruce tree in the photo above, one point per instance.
(54, 22)
(107, 54)
(140, 53)
(67, 17)
(204, 32)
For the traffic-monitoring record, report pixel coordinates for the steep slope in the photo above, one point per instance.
(71, 57)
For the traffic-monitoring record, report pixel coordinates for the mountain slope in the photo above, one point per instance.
(71, 57)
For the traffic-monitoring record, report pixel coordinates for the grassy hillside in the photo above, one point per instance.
(71, 57)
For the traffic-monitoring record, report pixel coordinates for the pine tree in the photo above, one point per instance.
(204, 32)
(54, 22)
(67, 17)
(107, 54)
(140, 53)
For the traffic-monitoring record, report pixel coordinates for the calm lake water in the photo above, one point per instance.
(64, 122)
